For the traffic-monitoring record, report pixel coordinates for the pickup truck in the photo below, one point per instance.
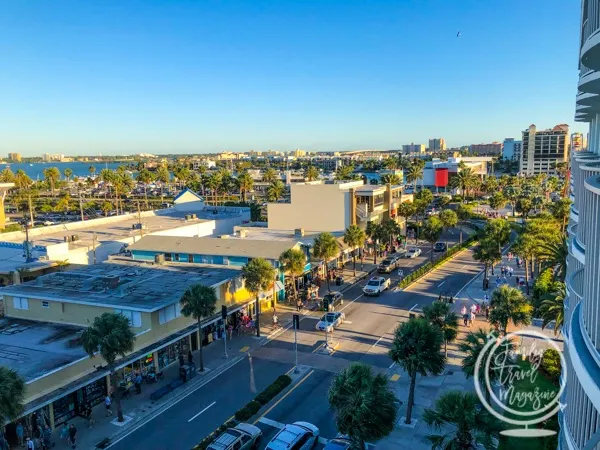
(376, 285)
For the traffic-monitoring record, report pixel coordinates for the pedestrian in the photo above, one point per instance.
(215, 335)
(230, 331)
(30, 444)
(20, 434)
(478, 310)
(108, 405)
(181, 359)
(190, 357)
(64, 432)
(466, 319)
(510, 272)
(463, 310)
(47, 437)
(138, 384)
(487, 311)
(517, 281)
(502, 271)
(486, 298)
(472, 318)
(72, 435)
(298, 305)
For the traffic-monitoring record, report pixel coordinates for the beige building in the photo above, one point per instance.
(437, 145)
(14, 157)
(334, 206)
(47, 316)
(541, 150)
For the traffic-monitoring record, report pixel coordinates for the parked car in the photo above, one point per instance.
(440, 247)
(413, 252)
(330, 321)
(297, 436)
(376, 285)
(340, 442)
(388, 264)
(242, 437)
(332, 300)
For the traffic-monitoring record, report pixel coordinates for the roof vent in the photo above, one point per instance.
(299, 232)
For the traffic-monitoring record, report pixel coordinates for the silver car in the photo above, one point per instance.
(297, 436)
(413, 252)
(330, 321)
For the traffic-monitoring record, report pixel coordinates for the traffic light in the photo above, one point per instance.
(223, 312)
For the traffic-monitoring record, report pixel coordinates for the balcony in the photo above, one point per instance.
(365, 213)
(589, 82)
(590, 50)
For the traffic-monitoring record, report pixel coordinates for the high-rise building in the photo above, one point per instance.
(511, 149)
(580, 419)
(14, 157)
(543, 149)
(494, 149)
(437, 145)
(413, 148)
(577, 142)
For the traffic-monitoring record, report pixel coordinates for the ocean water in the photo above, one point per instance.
(35, 171)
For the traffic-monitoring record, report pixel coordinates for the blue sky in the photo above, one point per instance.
(87, 77)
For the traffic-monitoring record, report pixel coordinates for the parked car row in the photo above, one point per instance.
(295, 436)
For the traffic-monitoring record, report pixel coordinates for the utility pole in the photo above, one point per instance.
(140, 220)
(94, 247)
(27, 244)
(80, 205)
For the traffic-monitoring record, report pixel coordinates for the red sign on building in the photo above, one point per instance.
(441, 177)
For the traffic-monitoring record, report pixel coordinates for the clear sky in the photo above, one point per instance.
(127, 76)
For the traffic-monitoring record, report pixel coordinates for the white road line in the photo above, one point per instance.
(463, 267)
(208, 407)
(392, 365)
(416, 304)
(440, 285)
(378, 340)
(272, 423)
(351, 302)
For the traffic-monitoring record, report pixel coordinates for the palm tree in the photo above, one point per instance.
(449, 220)
(111, 336)
(258, 276)
(464, 180)
(364, 405)
(245, 184)
(12, 394)
(431, 232)
(509, 304)
(275, 190)
(52, 175)
(442, 316)
(552, 308)
(561, 210)
(293, 263)
(488, 254)
(92, 170)
(525, 246)
(406, 210)
(554, 255)
(199, 302)
(463, 213)
(68, 173)
(354, 237)
(344, 173)
(416, 348)
(269, 175)
(376, 232)
(466, 425)
(326, 248)
(311, 173)
(390, 178)
(414, 173)
(145, 177)
(106, 207)
(22, 180)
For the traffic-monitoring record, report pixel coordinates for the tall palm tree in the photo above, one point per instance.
(269, 175)
(12, 394)
(311, 173)
(52, 175)
(554, 255)
(390, 178)
(392, 230)
(111, 336)
(464, 180)
(416, 348)
(200, 302)
(354, 237)
(145, 177)
(258, 276)
(509, 304)
(293, 263)
(326, 247)
(364, 405)
(92, 170)
(465, 424)
(431, 232)
(245, 184)
(552, 308)
(561, 210)
(488, 254)
(68, 173)
(442, 316)
(275, 190)
(414, 173)
(376, 232)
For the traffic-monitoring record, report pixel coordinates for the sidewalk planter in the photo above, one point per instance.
(249, 410)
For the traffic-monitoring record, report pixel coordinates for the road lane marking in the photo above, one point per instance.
(395, 377)
(244, 349)
(465, 266)
(208, 407)
(272, 423)
(351, 302)
(285, 396)
(416, 304)
(316, 349)
(440, 285)
(378, 340)
(392, 365)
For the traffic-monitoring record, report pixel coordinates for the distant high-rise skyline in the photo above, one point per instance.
(543, 149)
(437, 145)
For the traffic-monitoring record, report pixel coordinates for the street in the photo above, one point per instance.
(365, 336)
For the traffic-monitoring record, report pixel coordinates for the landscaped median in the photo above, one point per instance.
(426, 268)
(245, 413)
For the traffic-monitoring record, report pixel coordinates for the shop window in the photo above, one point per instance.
(176, 256)
(20, 303)
(168, 257)
(134, 317)
(190, 258)
(45, 304)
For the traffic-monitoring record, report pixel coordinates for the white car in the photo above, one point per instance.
(297, 436)
(413, 252)
(330, 321)
(376, 285)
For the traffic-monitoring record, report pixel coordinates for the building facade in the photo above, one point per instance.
(580, 420)
(437, 145)
(14, 157)
(413, 148)
(543, 149)
(511, 149)
(577, 142)
(493, 149)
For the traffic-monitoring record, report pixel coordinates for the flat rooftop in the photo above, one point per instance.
(268, 234)
(35, 348)
(123, 283)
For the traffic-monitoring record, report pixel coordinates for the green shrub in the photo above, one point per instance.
(243, 414)
(550, 364)
(253, 407)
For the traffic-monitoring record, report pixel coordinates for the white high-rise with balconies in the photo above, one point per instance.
(580, 420)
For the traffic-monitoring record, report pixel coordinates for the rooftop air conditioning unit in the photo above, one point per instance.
(299, 232)
(159, 258)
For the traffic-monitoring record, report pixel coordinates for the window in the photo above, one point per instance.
(237, 445)
(169, 313)
(20, 303)
(45, 304)
(168, 257)
(190, 258)
(176, 256)
(135, 317)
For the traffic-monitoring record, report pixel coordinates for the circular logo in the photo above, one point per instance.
(497, 364)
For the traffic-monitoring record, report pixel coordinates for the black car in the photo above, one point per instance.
(439, 247)
(332, 300)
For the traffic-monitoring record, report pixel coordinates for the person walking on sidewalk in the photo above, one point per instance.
(20, 434)
(108, 405)
(138, 383)
(72, 435)
(29, 444)
(64, 432)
